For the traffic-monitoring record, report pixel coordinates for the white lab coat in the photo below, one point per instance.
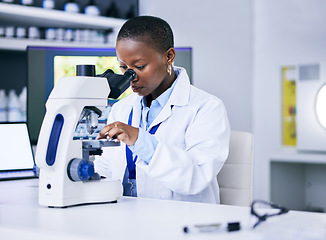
(193, 144)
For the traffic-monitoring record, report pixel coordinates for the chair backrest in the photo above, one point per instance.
(235, 178)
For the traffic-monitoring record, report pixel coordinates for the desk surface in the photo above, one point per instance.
(22, 218)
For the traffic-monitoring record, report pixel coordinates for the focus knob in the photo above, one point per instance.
(80, 169)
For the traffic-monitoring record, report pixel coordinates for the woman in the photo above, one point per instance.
(174, 136)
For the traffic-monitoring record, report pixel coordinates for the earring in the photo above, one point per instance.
(169, 69)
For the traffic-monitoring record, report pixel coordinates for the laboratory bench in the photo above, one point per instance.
(21, 217)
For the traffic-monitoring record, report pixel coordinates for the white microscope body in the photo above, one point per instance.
(65, 175)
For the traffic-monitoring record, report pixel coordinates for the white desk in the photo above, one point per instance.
(135, 218)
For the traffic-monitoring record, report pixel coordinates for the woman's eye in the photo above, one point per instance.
(123, 67)
(140, 67)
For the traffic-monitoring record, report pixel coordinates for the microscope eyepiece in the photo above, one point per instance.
(118, 83)
(131, 74)
(85, 70)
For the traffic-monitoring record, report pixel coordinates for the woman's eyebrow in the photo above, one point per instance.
(119, 60)
(140, 59)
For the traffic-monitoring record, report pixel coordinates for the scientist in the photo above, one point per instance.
(175, 137)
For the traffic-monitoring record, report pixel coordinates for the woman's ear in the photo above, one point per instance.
(170, 56)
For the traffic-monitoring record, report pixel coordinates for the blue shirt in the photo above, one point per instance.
(146, 143)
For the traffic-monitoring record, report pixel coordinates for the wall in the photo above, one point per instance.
(285, 32)
(220, 33)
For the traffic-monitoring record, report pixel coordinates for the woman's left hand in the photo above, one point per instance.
(120, 131)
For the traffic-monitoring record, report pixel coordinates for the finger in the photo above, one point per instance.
(128, 135)
(121, 136)
(115, 130)
(113, 133)
(104, 131)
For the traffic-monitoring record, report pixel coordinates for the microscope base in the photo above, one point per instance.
(81, 193)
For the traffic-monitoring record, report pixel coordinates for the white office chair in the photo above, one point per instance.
(235, 178)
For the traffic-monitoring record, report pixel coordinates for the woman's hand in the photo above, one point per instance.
(120, 131)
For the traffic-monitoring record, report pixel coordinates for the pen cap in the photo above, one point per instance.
(233, 226)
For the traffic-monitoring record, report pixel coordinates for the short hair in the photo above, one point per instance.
(155, 31)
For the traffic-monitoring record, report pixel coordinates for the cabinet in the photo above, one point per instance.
(24, 16)
(298, 180)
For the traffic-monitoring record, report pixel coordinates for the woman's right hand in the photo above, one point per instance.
(120, 131)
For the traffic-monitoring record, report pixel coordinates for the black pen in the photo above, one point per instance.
(216, 227)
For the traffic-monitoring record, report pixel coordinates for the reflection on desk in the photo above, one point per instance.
(22, 218)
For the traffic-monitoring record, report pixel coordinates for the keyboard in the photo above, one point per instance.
(17, 174)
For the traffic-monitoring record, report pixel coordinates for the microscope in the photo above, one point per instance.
(67, 175)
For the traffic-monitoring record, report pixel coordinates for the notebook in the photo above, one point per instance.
(16, 155)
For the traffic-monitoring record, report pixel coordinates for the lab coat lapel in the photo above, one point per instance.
(136, 114)
(163, 115)
(133, 103)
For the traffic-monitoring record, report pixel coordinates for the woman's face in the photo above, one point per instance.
(149, 64)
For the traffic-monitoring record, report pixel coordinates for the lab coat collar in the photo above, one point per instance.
(181, 92)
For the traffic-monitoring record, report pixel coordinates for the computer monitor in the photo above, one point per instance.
(45, 65)
(16, 155)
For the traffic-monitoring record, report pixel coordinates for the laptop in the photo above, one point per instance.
(16, 154)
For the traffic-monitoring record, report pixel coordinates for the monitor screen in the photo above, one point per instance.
(46, 65)
(15, 148)
(65, 66)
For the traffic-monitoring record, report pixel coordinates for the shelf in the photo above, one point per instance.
(18, 15)
(291, 155)
(21, 44)
(24, 16)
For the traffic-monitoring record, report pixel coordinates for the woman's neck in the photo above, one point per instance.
(164, 86)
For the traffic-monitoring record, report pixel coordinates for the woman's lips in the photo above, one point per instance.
(135, 88)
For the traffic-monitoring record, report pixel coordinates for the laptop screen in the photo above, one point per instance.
(15, 147)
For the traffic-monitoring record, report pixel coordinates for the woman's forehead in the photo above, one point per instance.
(134, 49)
(144, 41)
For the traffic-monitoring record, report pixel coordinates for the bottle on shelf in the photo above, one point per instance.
(110, 36)
(33, 32)
(92, 9)
(9, 31)
(20, 32)
(23, 103)
(27, 2)
(71, 6)
(59, 34)
(8, 1)
(2, 31)
(78, 35)
(14, 114)
(48, 4)
(69, 35)
(3, 106)
(50, 34)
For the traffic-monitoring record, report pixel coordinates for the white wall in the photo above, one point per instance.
(219, 31)
(285, 32)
